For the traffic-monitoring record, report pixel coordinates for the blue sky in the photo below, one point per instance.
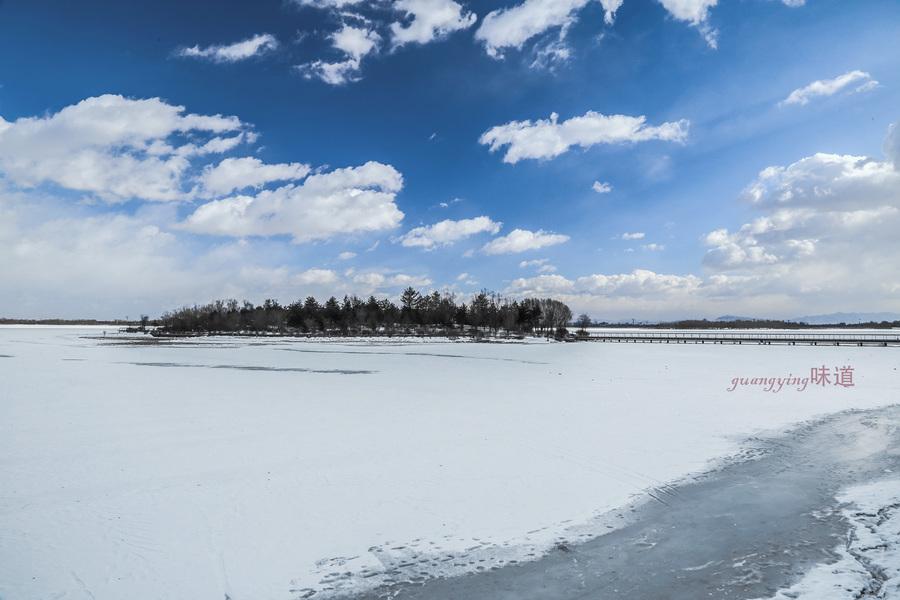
(109, 212)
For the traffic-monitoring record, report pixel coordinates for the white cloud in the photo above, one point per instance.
(238, 173)
(512, 27)
(859, 80)
(622, 295)
(610, 7)
(219, 145)
(694, 12)
(431, 19)
(552, 53)
(541, 285)
(315, 277)
(343, 201)
(547, 138)
(229, 53)
(57, 262)
(832, 181)
(466, 279)
(654, 247)
(541, 264)
(825, 241)
(447, 232)
(532, 263)
(602, 187)
(637, 235)
(355, 43)
(522, 240)
(373, 280)
(347, 255)
(404, 280)
(639, 282)
(111, 146)
(827, 232)
(892, 145)
(328, 4)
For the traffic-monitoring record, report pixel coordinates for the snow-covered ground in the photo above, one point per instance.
(270, 468)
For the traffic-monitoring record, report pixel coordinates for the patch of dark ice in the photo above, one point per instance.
(253, 368)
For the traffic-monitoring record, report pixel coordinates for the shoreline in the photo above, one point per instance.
(715, 532)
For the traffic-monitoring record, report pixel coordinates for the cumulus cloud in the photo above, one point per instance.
(541, 285)
(61, 261)
(447, 232)
(855, 81)
(230, 53)
(114, 147)
(347, 255)
(548, 138)
(825, 241)
(828, 228)
(602, 187)
(342, 201)
(639, 282)
(522, 240)
(637, 235)
(430, 19)
(238, 173)
(64, 260)
(355, 43)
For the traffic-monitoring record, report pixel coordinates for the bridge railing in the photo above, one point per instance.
(766, 336)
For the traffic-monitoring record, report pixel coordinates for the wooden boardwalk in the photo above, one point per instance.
(791, 338)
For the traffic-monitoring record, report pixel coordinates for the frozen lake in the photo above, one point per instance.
(273, 468)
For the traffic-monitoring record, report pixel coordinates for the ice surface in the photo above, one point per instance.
(276, 467)
(868, 564)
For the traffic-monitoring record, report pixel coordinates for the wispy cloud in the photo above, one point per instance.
(858, 81)
(230, 53)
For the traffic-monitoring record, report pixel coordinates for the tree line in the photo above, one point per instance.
(435, 312)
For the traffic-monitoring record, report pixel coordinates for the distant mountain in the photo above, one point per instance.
(840, 317)
(728, 318)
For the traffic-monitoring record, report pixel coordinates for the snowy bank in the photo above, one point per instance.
(259, 468)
